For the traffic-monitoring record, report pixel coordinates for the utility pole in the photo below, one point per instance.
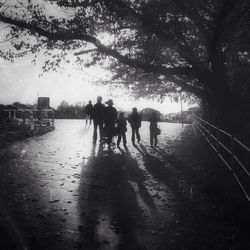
(181, 109)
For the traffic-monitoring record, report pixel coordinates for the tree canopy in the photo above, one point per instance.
(152, 46)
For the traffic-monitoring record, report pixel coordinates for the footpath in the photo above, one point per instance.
(60, 191)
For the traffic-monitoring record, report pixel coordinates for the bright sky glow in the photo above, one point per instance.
(21, 82)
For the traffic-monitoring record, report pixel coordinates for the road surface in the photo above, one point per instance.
(61, 191)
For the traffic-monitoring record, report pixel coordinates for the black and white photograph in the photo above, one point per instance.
(124, 124)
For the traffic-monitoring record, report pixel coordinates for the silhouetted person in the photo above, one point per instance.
(153, 129)
(89, 112)
(135, 121)
(98, 115)
(122, 129)
(110, 116)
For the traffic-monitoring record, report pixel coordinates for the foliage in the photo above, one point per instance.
(154, 47)
(147, 114)
(70, 111)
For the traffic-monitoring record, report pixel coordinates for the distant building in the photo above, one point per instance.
(44, 113)
(26, 114)
(43, 103)
(17, 113)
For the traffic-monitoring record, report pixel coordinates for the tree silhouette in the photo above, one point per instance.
(154, 46)
(70, 111)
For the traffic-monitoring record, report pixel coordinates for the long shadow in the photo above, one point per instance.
(170, 158)
(108, 205)
(196, 222)
(135, 174)
(193, 175)
(159, 169)
(169, 170)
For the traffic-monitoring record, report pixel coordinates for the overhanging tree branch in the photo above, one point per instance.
(186, 87)
(70, 35)
(195, 17)
(63, 34)
(159, 69)
(161, 30)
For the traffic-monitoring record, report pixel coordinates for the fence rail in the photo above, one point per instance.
(233, 153)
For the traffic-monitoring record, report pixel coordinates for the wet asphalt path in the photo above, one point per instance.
(61, 191)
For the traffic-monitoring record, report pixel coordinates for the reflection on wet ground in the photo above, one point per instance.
(62, 191)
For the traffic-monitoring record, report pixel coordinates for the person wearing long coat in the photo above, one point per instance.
(110, 117)
(98, 117)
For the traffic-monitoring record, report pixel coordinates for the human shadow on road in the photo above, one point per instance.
(193, 174)
(197, 219)
(170, 176)
(159, 169)
(166, 169)
(137, 176)
(108, 205)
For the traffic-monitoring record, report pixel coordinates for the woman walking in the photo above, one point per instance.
(153, 129)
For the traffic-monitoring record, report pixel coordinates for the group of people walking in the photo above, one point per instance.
(109, 124)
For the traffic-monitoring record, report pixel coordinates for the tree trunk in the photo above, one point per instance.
(226, 109)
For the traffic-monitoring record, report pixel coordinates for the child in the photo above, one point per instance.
(122, 129)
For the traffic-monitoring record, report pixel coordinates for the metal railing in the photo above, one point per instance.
(233, 153)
